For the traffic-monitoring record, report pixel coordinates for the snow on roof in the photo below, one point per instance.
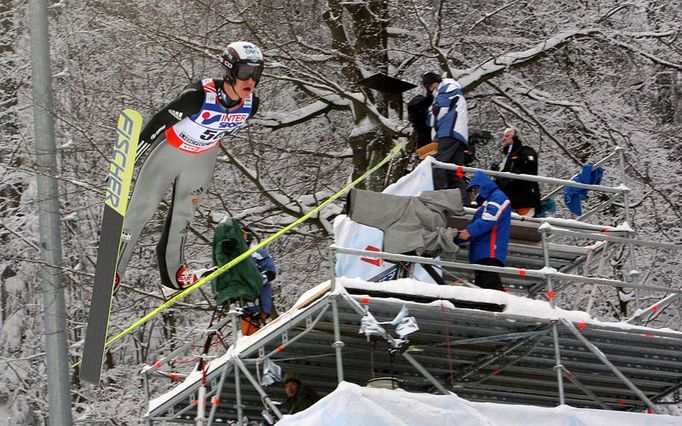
(514, 305)
(353, 404)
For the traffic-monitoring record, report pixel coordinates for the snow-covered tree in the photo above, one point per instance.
(577, 78)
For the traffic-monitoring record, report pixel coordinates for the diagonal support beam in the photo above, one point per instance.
(568, 375)
(595, 350)
(512, 361)
(218, 391)
(502, 352)
(426, 374)
(264, 396)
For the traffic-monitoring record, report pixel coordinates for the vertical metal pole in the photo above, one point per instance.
(633, 274)
(145, 380)
(238, 394)
(555, 333)
(218, 390)
(54, 322)
(201, 406)
(338, 343)
(237, 388)
(332, 263)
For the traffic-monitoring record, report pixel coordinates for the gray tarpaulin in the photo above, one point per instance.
(416, 224)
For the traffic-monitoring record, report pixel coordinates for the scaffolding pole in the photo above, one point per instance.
(584, 388)
(218, 390)
(338, 343)
(598, 163)
(653, 309)
(604, 237)
(555, 333)
(531, 273)
(595, 350)
(499, 354)
(264, 396)
(533, 178)
(234, 315)
(633, 275)
(426, 373)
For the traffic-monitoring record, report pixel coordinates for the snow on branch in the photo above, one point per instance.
(645, 54)
(284, 203)
(491, 68)
(290, 118)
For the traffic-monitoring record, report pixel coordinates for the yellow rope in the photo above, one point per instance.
(248, 253)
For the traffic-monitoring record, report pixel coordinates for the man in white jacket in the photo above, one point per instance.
(449, 121)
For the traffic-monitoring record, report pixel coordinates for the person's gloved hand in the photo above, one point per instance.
(461, 237)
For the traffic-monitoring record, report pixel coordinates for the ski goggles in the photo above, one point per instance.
(246, 71)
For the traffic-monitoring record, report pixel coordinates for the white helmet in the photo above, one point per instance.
(242, 60)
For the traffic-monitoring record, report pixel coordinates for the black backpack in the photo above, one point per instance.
(417, 113)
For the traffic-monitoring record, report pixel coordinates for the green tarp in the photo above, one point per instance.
(242, 281)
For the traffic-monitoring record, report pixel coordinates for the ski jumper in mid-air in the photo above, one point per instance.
(183, 140)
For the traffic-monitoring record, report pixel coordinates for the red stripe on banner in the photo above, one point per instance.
(372, 260)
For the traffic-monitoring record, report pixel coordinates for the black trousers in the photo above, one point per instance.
(450, 150)
(489, 280)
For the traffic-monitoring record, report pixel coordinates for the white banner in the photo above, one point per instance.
(354, 235)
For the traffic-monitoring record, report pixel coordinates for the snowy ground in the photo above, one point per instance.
(353, 404)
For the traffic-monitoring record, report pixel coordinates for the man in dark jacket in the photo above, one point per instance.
(299, 396)
(519, 158)
(489, 230)
(417, 114)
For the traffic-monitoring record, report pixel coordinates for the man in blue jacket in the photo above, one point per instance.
(449, 122)
(489, 230)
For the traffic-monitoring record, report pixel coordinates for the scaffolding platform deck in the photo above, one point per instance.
(483, 345)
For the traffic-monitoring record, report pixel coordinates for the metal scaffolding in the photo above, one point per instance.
(472, 342)
(469, 346)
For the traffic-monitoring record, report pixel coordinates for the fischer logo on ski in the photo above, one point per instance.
(115, 204)
(119, 172)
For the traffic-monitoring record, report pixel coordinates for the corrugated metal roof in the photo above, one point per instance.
(472, 342)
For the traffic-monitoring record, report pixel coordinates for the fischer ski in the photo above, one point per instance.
(115, 204)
